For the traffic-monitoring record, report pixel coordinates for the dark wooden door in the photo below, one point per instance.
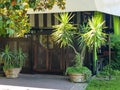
(40, 59)
(48, 57)
(56, 61)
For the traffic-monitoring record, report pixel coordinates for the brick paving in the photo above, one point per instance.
(40, 82)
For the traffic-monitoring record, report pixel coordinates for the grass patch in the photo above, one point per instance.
(100, 84)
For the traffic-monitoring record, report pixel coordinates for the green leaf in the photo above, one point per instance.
(64, 32)
(1, 17)
(1, 5)
(10, 31)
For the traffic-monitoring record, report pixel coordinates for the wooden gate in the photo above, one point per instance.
(48, 57)
(26, 46)
(44, 56)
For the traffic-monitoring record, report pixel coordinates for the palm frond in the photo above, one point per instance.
(95, 35)
(64, 32)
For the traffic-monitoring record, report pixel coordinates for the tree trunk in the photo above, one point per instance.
(94, 59)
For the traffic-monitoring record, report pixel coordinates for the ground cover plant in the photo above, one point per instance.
(102, 82)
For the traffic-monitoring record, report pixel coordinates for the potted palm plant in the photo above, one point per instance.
(13, 61)
(78, 72)
(63, 35)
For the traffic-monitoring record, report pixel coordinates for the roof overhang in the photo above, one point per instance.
(106, 6)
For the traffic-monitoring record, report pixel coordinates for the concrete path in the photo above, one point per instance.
(40, 82)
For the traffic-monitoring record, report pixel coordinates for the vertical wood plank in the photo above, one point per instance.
(49, 20)
(78, 18)
(32, 23)
(36, 20)
(40, 20)
(52, 19)
(45, 20)
(56, 21)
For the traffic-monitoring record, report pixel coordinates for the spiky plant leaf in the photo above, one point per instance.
(64, 32)
(95, 36)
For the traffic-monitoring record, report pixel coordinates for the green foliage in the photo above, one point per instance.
(84, 28)
(19, 58)
(14, 24)
(64, 32)
(35, 4)
(98, 84)
(81, 70)
(93, 38)
(12, 59)
(116, 25)
(115, 45)
(7, 57)
(109, 71)
(63, 35)
(13, 18)
(78, 61)
(115, 63)
(13, 14)
(46, 4)
(115, 39)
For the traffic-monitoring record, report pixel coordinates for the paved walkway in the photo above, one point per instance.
(40, 82)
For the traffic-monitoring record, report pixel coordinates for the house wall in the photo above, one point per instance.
(45, 22)
(47, 59)
(26, 45)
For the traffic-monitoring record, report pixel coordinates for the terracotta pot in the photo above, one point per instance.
(77, 77)
(12, 73)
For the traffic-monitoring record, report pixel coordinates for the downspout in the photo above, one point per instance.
(116, 23)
